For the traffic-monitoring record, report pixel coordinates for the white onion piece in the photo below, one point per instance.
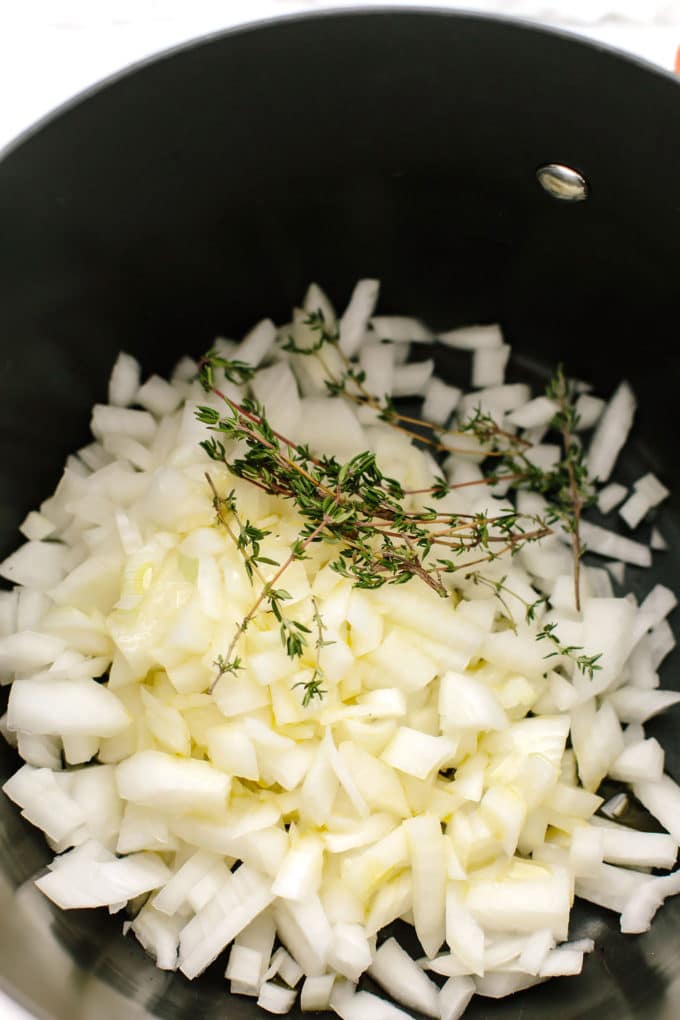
(498, 985)
(158, 396)
(44, 803)
(661, 642)
(65, 707)
(256, 344)
(562, 961)
(245, 966)
(535, 951)
(36, 526)
(610, 887)
(244, 895)
(472, 338)
(523, 906)
(611, 433)
(377, 362)
(124, 380)
(464, 935)
(401, 976)
(350, 952)
(185, 371)
(28, 650)
(588, 410)
(465, 702)
(283, 965)
(35, 748)
(392, 900)
(539, 411)
(645, 900)
(305, 932)
(427, 851)
(441, 400)
(661, 797)
(400, 329)
(333, 419)
(258, 937)
(316, 993)
(101, 883)
(610, 496)
(276, 389)
(122, 421)
(275, 998)
(417, 754)
(652, 489)
(365, 1006)
(316, 300)
(638, 762)
(634, 509)
(366, 870)
(355, 318)
(38, 565)
(158, 780)
(488, 365)
(299, 876)
(617, 547)
(411, 379)
(159, 935)
(648, 493)
(455, 996)
(633, 849)
(634, 705)
(494, 400)
(654, 608)
(657, 541)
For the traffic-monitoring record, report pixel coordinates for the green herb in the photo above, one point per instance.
(317, 323)
(360, 511)
(246, 539)
(237, 372)
(355, 506)
(312, 688)
(587, 664)
(223, 666)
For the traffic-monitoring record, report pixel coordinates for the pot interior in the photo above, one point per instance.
(205, 189)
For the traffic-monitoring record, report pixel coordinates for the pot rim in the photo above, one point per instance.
(529, 25)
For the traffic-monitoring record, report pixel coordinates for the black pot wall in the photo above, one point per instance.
(206, 188)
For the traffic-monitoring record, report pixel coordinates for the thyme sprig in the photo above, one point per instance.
(247, 541)
(234, 371)
(587, 664)
(571, 498)
(565, 486)
(312, 688)
(350, 383)
(359, 510)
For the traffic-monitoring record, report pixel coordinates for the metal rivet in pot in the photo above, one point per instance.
(562, 182)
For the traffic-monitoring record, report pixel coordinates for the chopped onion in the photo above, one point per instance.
(400, 975)
(357, 314)
(124, 381)
(611, 433)
(410, 761)
(472, 338)
(488, 365)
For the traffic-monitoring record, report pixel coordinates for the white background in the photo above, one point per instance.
(50, 50)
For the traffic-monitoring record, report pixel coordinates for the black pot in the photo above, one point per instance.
(205, 189)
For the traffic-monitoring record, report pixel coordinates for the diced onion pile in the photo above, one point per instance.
(449, 774)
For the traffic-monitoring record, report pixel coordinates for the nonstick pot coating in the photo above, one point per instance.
(204, 190)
